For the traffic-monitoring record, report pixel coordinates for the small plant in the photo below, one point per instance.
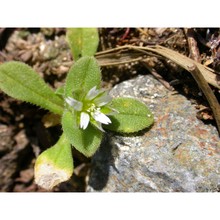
(84, 108)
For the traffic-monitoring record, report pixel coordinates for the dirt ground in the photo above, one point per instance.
(22, 132)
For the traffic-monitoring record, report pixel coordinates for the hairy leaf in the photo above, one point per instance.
(85, 141)
(133, 116)
(82, 76)
(21, 82)
(60, 91)
(82, 41)
(54, 165)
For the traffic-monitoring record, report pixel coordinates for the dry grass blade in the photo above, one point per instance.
(213, 102)
(115, 57)
(122, 57)
(186, 62)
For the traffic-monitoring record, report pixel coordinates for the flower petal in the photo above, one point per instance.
(74, 103)
(108, 110)
(100, 117)
(98, 125)
(103, 99)
(92, 93)
(84, 120)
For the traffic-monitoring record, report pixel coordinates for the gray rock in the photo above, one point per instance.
(178, 154)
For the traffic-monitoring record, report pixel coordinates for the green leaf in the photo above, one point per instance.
(54, 165)
(60, 91)
(21, 82)
(133, 116)
(85, 141)
(82, 76)
(82, 41)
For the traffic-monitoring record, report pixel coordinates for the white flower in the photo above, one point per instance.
(84, 120)
(74, 103)
(99, 116)
(92, 108)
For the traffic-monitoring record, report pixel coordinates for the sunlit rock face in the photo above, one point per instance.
(178, 154)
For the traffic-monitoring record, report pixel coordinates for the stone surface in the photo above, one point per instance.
(178, 154)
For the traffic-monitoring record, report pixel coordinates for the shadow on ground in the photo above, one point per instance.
(101, 163)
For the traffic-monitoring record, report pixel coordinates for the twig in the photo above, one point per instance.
(142, 31)
(202, 40)
(213, 102)
(158, 77)
(125, 34)
(193, 48)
